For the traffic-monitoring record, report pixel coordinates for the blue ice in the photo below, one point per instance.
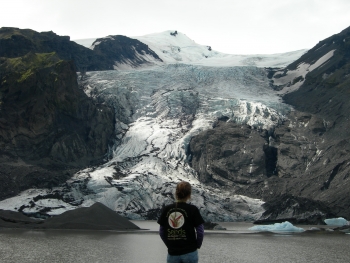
(340, 221)
(278, 227)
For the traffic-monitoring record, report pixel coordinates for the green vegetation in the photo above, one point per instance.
(33, 61)
(29, 63)
(25, 75)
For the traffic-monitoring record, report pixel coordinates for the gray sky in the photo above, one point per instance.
(229, 26)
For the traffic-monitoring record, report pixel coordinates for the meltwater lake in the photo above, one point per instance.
(236, 244)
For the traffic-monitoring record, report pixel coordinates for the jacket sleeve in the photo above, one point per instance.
(161, 233)
(200, 235)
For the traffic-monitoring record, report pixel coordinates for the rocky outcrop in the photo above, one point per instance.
(324, 94)
(296, 210)
(325, 91)
(104, 55)
(15, 42)
(49, 128)
(229, 155)
(318, 164)
(124, 50)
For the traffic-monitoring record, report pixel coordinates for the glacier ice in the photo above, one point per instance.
(157, 111)
(278, 227)
(340, 221)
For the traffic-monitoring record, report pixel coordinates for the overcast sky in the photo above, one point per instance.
(229, 26)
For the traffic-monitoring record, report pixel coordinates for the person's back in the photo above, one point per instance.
(181, 227)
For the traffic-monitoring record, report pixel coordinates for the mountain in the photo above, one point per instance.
(317, 86)
(49, 127)
(233, 126)
(15, 42)
(306, 155)
(324, 89)
(175, 47)
(124, 51)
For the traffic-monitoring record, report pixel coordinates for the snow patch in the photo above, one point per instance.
(300, 72)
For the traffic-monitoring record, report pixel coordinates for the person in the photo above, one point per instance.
(181, 227)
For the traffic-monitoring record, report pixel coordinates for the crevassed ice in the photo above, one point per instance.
(164, 107)
(158, 110)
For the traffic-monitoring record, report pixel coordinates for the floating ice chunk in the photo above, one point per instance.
(278, 227)
(336, 221)
(315, 229)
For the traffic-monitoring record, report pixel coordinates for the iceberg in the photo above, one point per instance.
(340, 221)
(278, 227)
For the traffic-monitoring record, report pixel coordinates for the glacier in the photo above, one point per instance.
(158, 110)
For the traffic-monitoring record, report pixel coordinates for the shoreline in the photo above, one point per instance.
(239, 228)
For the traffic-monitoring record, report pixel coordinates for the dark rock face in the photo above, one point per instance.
(49, 128)
(229, 155)
(338, 42)
(296, 210)
(16, 42)
(305, 166)
(298, 141)
(325, 91)
(122, 49)
(317, 161)
(325, 94)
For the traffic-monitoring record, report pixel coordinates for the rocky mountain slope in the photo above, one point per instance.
(124, 51)
(49, 127)
(325, 90)
(325, 95)
(305, 157)
(16, 42)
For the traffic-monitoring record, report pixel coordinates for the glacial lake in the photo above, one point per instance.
(236, 244)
